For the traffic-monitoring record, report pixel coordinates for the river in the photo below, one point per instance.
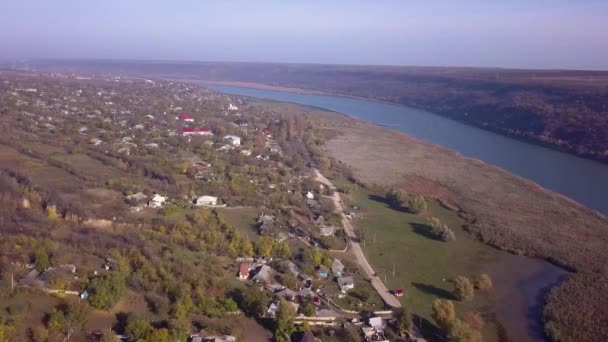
(585, 181)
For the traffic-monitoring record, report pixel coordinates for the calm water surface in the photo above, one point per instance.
(583, 180)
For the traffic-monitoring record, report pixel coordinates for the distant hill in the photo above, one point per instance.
(566, 110)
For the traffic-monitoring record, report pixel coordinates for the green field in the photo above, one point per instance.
(422, 265)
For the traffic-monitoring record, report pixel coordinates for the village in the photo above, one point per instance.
(189, 158)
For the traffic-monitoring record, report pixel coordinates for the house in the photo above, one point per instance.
(287, 294)
(327, 230)
(346, 283)
(288, 266)
(233, 140)
(138, 197)
(206, 337)
(186, 117)
(195, 131)
(323, 272)
(157, 201)
(377, 323)
(244, 268)
(232, 107)
(265, 224)
(337, 268)
(399, 292)
(246, 153)
(240, 123)
(272, 310)
(263, 275)
(84, 295)
(205, 201)
(95, 141)
(310, 195)
(316, 300)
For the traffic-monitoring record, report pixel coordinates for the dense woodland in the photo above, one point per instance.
(566, 110)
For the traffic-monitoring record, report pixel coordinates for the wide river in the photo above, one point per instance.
(583, 180)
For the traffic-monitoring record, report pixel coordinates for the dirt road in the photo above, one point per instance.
(356, 249)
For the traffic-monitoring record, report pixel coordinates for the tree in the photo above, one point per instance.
(443, 313)
(483, 282)
(281, 250)
(308, 308)
(42, 260)
(7, 332)
(395, 197)
(285, 321)
(417, 204)
(460, 331)
(254, 301)
(106, 290)
(264, 246)
(403, 320)
(108, 335)
(463, 288)
(289, 280)
(138, 329)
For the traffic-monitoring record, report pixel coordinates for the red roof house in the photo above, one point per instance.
(399, 292)
(186, 117)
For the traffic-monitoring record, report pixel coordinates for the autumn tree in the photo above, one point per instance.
(444, 312)
(460, 331)
(463, 288)
(264, 246)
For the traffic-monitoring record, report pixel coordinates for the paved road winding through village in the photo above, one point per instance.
(380, 287)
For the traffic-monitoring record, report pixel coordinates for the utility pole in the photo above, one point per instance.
(375, 238)
(393, 270)
(12, 283)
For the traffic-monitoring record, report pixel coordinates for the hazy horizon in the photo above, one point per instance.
(539, 35)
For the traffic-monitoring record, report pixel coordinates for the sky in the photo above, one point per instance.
(548, 34)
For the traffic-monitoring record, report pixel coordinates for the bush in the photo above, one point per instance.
(460, 331)
(395, 197)
(484, 282)
(440, 230)
(417, 204)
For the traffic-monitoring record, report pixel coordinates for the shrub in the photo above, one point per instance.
(440, 230)
(484, 282)
(460, 331)
(417, 204)
(395, 197)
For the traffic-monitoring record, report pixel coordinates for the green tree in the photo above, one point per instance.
(264, 246)
(440, 230)
(443, 313)
(285, 321)
(315, 257)
(7, 332)
(246, 247)
(108, 335)
(281, 250)
(463, 288)
(254, 301)
(106, 290)
(483, 282)
(308, 308)
(289, 280)
(417, 204)
(42, 260)
(138, 329)
(459, 331)
(403, 320)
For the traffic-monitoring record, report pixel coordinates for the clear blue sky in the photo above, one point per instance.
(513, 33)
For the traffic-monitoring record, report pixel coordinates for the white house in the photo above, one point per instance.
(157, 201)
(346, 283)
(205, 200)
(310, 195)
(232, 107)
(233, 140)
